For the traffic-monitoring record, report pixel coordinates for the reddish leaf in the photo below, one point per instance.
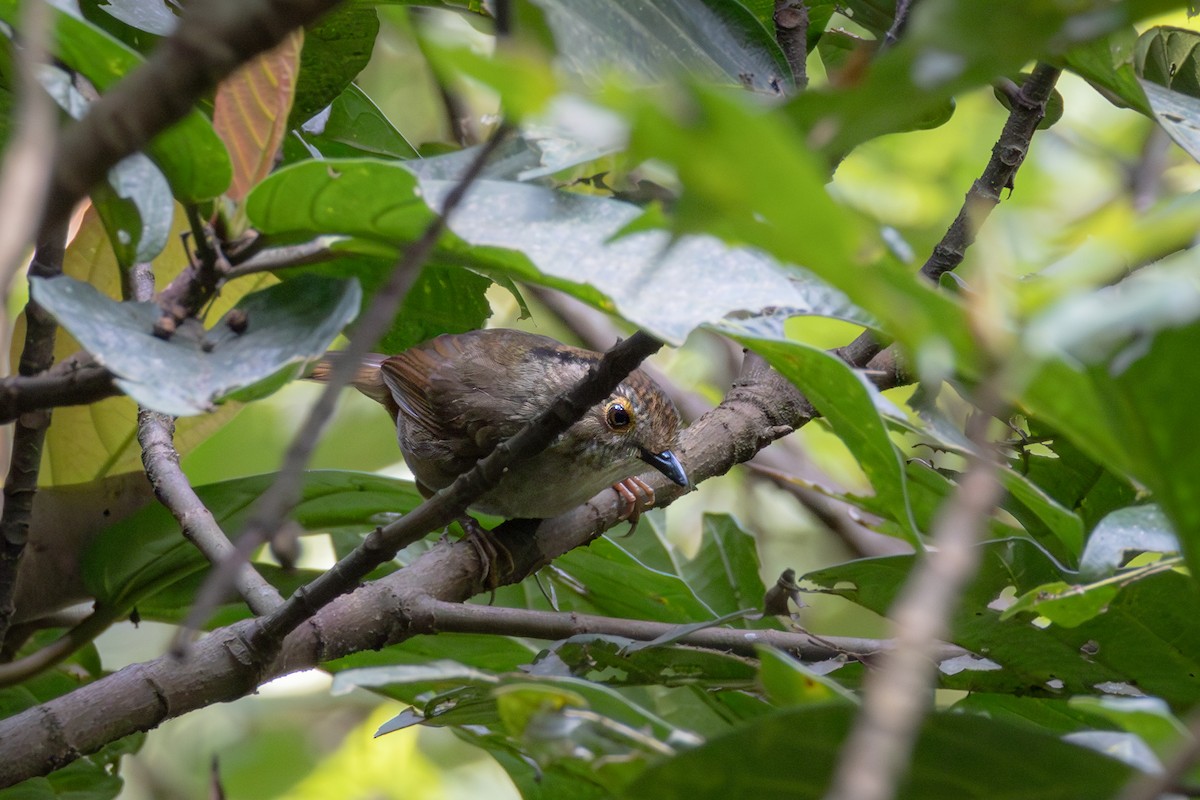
(251, 112)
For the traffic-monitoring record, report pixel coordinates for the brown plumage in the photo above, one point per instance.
(456, 396)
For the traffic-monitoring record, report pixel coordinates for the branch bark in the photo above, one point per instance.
(30, 433)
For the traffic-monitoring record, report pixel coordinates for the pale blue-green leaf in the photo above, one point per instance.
(1137, 529)
(714, 41)
(287, 325)
(1090, 327)
(1178, 114)
(434, 671)
(135, 202)
(570, 236)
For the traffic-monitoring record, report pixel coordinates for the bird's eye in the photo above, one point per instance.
(617, 415)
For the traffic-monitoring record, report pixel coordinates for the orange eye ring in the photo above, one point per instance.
(618, 416)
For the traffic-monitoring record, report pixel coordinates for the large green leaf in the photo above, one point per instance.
(145, 553)
(336, 49)
(285, 327)
(560, 239)
(792, 754)
(713, 41)
(352, 125)
(852, 407)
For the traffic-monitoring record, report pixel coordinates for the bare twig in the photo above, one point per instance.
(156, 433)
(276, 503)
(445, 617)
(297, 255)
(899, 21)
(1007, 157)
(30, 433)
(1028, 109)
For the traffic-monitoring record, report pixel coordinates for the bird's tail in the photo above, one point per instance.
(367, 378)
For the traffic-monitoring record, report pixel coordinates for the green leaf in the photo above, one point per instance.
(724, 573)
(145, 553)
(957, 756)
(1063, 603)
(790, 683)
(851, 406)
(189, 153)
(352, 125)
(1144, 642)
(562, 240)
(287, 325)
(1107, 64)
(336, 48)
(1138, 529)
(1170, 57)
(713, 41)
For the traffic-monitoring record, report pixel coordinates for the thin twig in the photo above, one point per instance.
(445, 617)
(156, 433)
(899, 21)
(85, 383)
(1027, 112)
(272, 258)
(897, 696)
(1007, 156)
(30, 432)
(272, 508)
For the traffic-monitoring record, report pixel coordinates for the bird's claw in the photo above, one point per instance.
(494, 557)
(635, 496)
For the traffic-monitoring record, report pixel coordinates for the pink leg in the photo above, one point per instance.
(636, 496)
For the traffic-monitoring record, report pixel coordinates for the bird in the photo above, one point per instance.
(455, 397)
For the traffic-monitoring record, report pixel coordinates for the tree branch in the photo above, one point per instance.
(30, 433)
(1028, 110)
(791, 31)
(447, 617)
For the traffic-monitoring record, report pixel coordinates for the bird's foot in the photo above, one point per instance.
(493, 556)
(635, 496)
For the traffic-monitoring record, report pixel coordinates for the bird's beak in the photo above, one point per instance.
(666, 463)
